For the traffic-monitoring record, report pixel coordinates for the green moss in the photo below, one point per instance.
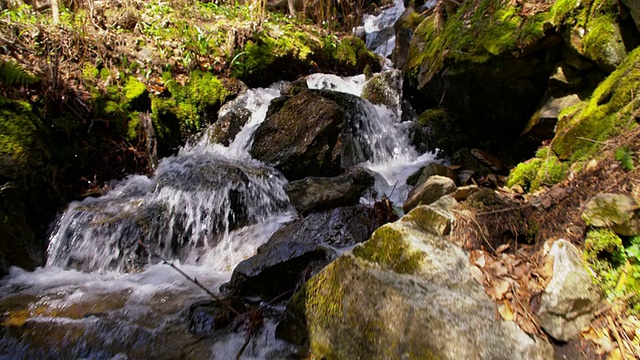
(90, 72)
(132, 126)
(475, 33)
(133, 89)
(203, 92)
(561, 9)
(610, 111)
(600, 44)
(105, 73)
(551, 172)
(615, 264)
(524, 174)
(350, 50)
(390, 249)
(18, 138)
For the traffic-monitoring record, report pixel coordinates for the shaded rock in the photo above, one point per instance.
(565, 77)
(300, 249)
(570, 298)
(542, 124)
(428, 192)
(487, 69)
(317, 193)
(429, 170)
(488, 160)
(573, 58)
(405, 293)
(302, 138)
(382, 89)
(617, 211)
(634, 10)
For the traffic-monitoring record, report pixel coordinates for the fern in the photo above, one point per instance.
(12, 74)
(625, 156)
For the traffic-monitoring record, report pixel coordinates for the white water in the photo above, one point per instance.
(182, 212)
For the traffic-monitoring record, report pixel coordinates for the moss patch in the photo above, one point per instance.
(389, 248)
(609, 112)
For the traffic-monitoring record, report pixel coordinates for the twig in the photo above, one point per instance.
(479, 228)
(193, 280)
(591, 140)
(614, 329)
(504, 210)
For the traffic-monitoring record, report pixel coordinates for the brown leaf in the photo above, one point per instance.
(502, 248)
(476, 273)
(506, 311)
(499, 289)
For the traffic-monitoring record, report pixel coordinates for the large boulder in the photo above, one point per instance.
(319, 193)
(487, 65)
(300, 249)
(406, 293)
(570, 298)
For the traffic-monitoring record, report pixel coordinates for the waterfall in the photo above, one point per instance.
(188, 207)
(105, 290)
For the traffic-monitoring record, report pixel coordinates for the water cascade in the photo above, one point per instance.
(105, 292)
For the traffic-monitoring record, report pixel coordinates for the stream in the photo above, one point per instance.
(106, 291)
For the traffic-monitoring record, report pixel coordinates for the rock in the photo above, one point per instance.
(634, 10)
(421, 176)
(485, 76)
(617, 211)
(542, 124)
(566, 77)
(428, 192)
(225, 129)
(302, 138)
(206, 317)
(462, 193)
(300, 249)
(570, 298)
(599, 117)
(488, 160)
(600, 41)
(382, 89)
(403, 294)
(573, 58)
(317, 193)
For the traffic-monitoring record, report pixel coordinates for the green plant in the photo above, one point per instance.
(625, 156)
(12, 74)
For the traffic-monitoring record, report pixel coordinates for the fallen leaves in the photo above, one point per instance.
(511, 279)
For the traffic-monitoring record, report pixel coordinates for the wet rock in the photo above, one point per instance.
(302, 138)
(317, 193)
(206, 317)
(405, 293)
(382, 89)
(617, 211)
(421, 176)
(225, 129)
(300, 249)
(428, 192)
(570, 298)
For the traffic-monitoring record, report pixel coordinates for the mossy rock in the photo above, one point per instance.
(487, 66)
(403, 294)
(609, 111)
(544, 169)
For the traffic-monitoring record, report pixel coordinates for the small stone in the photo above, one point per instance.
(429, 192)
(617, 211)
(463, 192)
(569, 299)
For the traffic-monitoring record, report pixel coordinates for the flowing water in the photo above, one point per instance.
(105, 292)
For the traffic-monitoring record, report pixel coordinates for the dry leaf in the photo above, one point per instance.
(497, 269)
(506, 311)
(476, 273)
(477, 258)
(615, 355)
(499, 289)
(520, 271)
(502, 248)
